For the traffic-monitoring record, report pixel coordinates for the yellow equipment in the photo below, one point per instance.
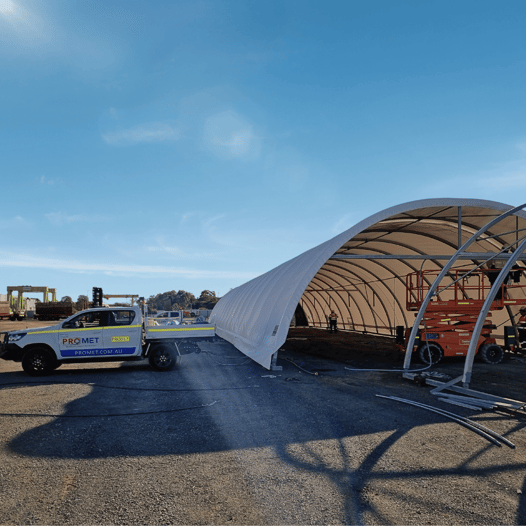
(18, 303)
(133, 297)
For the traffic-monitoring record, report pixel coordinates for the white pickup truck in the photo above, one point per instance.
(103, 334)
(169, 317)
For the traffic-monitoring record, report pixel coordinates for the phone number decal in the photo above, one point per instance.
(120, 339)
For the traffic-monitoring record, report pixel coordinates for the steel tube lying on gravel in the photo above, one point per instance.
(471, 423)
(477, 425)
(485, 403)
(473, 402)
(460, 404)
(483, 431)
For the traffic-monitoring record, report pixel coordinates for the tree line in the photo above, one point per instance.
(172, 300)
(182, 300)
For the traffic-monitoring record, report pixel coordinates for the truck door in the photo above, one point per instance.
(122, 335)
(81, 336)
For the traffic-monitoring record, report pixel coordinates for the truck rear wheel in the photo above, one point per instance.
(491, 353)
(428, 349)
(38, 361)
(163, 358)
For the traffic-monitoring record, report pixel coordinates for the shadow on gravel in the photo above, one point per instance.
(129, 411)
(220, 402)
(354, 482)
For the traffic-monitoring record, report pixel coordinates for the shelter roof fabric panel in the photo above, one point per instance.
(366, 285)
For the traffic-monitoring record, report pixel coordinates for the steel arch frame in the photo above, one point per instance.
(468, 365)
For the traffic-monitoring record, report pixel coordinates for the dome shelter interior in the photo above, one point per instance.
(365, 280)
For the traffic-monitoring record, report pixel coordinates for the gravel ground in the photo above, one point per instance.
(221, 440)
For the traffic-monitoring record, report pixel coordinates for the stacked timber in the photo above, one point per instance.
(5, 310)
(54, 310)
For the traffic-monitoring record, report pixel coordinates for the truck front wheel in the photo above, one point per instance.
(163, 358)
(38, 361)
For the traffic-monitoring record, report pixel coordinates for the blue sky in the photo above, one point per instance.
(167, 145)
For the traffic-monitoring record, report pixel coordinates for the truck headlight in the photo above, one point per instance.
(16, 337)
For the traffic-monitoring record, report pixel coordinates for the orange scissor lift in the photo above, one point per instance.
(451, 315)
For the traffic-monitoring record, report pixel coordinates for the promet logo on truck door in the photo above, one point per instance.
(77, 341)
(72, 346)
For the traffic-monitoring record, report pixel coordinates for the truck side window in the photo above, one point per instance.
(95, 319)
(73, 323)
(122, 317)
(86, 320)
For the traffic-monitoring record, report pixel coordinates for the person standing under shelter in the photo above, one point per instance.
(333, 320)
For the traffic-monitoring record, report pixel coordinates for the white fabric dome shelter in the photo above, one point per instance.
(361, 273)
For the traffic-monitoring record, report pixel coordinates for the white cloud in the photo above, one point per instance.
(229, 137)
(209, 222)
(151, 132)
(504, 182)
(47, 180)
(8, 259)
(163, 248)
(14, 222)
(199, 217)
(509, 182)
(185, 218)
(179, 253)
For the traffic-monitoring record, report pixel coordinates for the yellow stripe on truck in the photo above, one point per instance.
(189, 329)
(85, 329)
(120, 327)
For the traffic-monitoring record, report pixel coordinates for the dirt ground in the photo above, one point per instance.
(371, 351)
(8, 325)
(344, 346)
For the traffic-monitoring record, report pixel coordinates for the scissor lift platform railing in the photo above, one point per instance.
(450, 317)
(465, 293)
